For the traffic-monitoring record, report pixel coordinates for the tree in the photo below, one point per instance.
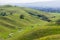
(21, 16)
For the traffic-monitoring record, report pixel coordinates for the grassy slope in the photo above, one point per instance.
(32, 27)
(50, 37)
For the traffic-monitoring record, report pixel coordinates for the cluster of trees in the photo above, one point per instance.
(32, 13)
(8, 6)
(44, 18)
(11, 13)
(3, 14)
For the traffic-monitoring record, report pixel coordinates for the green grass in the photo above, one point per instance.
(31, 27)
(50, 37)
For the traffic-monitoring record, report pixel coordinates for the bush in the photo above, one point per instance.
(21, 16)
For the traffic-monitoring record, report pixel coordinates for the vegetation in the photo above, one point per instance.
(21, 16)
(58, 22)
(36, 25)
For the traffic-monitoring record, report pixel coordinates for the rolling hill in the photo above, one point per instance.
(20, 23)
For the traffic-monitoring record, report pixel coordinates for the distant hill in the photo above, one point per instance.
(49, 6)
(47, 9)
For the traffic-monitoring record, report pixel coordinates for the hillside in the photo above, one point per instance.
(19, 23)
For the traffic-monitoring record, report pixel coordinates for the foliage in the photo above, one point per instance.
(21, 16)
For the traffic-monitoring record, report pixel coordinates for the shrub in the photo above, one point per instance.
(21, 16)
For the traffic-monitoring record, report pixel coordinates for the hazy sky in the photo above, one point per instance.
(23, 1)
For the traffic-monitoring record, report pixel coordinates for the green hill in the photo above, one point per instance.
(19, 23)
